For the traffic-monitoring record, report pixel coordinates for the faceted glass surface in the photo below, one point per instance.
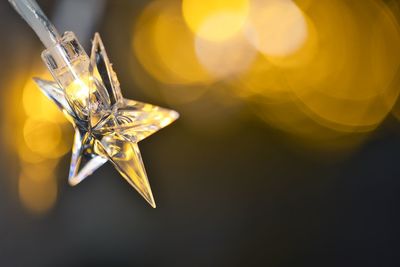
(107, 126)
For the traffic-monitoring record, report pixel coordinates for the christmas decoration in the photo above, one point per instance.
(107, 126)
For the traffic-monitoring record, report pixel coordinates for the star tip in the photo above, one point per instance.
(73, 181)
(42, 82)
(148, 196)
(175, 115)
(38, 80)
(151, 201)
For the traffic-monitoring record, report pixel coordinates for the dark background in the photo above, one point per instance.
(244, 194)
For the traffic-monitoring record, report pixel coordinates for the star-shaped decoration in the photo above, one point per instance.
(107, 126)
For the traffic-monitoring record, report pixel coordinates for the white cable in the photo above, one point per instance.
(34, 16)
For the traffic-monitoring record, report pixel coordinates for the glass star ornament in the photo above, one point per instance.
(107, 126)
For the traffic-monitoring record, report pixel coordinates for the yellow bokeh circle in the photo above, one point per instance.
(216, 20)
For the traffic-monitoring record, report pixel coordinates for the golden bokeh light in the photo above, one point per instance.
(38, 186)
(37, 106)
(343, 78)
(39, 171)
(165, 46)
(334, 64)
(27, 155)
(216, 20)
(225, 59)
(38, 195)
(302, 130)
(348, 86)
(277, 27)
(303, 55)
(41, 136)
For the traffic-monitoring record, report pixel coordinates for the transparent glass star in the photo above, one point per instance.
(107, 126)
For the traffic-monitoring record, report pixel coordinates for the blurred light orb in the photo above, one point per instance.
(277, 27)
(215, 20)
(42, 137)
(38, 194)
(343, 79)
(165, 46)
(350, 86)
(225, 59)
(37, 105)
(26, 155)
(263, 80)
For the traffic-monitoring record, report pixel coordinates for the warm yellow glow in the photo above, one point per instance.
(38, 195)
(342, 79)
(348, 86)
(27, 155)
(216, 20)
(42, 116)
(38, 106)
(225, 59)
(42, 137)
(165, 46)
(177, 55)
(263, 79)
(277, 27)
(38, 186)
(39, 171)
(78, 93)
(301, 56)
